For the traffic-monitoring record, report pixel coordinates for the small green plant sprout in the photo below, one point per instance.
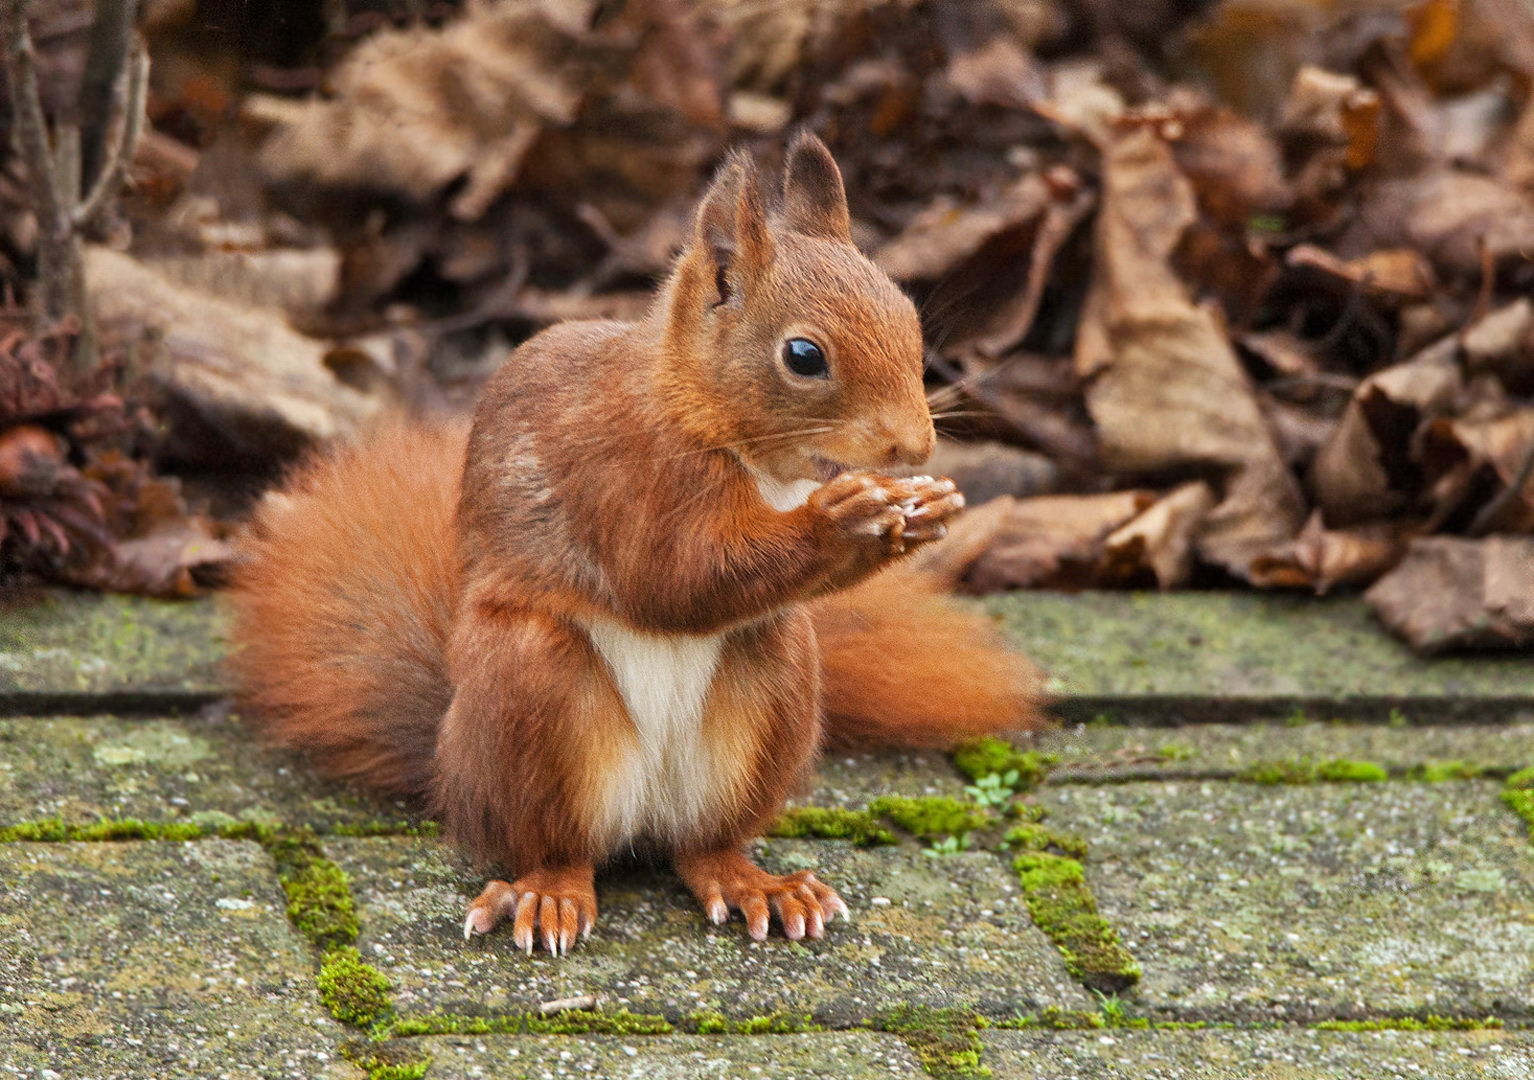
(948, 845)
(1397, 719)
(994, 789)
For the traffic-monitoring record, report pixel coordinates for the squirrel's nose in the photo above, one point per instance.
(910, 444)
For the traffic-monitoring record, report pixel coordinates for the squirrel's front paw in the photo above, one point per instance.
(931, 502)
(888, 515)
(561, 903)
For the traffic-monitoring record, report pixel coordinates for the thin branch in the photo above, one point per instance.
(120, 155)
(27, 111)
(111, 45)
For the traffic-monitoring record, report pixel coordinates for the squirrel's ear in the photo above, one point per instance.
(814, 201)
(732, 226)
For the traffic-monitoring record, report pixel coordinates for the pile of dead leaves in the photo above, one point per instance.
(78, 501)
(1216, 292)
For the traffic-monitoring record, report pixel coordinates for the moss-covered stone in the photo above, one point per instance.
(945, 1041)
(830, 1055)
(945, 933)
(832, 823)
(319, 896)
(69, 648)
(1438, 772)
(169, 769)
(1518, 794)
(996, 757)
(127, 960)
(1305, 771)
(355, 992)
(1169, 655)
(1430, 1022)
(1298, 904)
(1282, 1053)
(933, 815)
(1062, 906)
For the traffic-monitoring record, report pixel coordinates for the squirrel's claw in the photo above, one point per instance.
(557, 907)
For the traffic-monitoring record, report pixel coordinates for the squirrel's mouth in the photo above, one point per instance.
(826, 469)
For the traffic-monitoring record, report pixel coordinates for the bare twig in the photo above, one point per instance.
(111, 45)
(120, 153)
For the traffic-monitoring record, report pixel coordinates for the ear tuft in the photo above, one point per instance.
(732, 225)
(814, 201)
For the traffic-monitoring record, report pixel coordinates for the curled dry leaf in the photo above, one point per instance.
(1322, 559)
(1456, 219)
(1481, 470)
(1394, 273)
(1054, 541)
(1452, 593)
(1366, 471)
(1160, 539)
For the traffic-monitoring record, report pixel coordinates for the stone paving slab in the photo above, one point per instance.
(1270, 904)
(138, 960)
(852, 779)
(72, 651)
(82, 769)
(1109, 752)
(1195, 656)
(840, 1055)
(1161, 657)
(954, 933)
(1290, 1054)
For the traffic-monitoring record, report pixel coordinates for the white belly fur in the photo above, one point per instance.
(669, 785)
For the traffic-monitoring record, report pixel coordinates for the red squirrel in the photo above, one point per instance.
(613, 616)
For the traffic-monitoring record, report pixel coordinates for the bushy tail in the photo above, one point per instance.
(342, 603)
(903, 664)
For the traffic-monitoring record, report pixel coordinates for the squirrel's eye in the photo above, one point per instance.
(803, 357)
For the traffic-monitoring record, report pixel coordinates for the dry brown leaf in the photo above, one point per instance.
(1453, 218)
(939, 238)
(239, 380)
(1233, 163)
(1161, 538)
(1327, 109)
(1485, 461)
(1366, 471)
(1396, 273)
(1450, 593)
(1322, 558)
(1054, 541)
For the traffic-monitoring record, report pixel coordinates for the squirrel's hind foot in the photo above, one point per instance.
(561, 904)
(726, 880)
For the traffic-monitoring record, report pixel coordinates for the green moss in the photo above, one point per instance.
(622, 1022)
(319, 896)
(775, 1024)
(707, 1023)
(1174, 752)
(1304, 771)
(1412, 1023)
(1054, 1018)
(1518, 794)
(1062, 906)
(931, 815)
(1436, 772)
(832, 823)
(448, 1024)
(391, 1062)
(1034, 837)
(1341, 771)
(995, 757)
(945, 1041)
(355, 992)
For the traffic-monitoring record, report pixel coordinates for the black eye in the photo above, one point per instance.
(803, 357)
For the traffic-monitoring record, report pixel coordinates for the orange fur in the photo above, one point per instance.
(588, 628)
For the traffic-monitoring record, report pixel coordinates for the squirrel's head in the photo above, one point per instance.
(784, 343)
